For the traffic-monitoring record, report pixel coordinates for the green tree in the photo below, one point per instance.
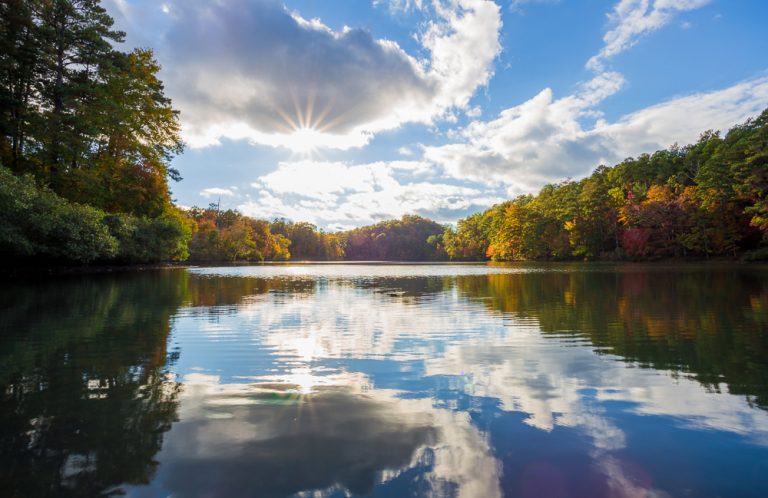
(76, 40)
(20, 67)
(237, 241)
(750, 167)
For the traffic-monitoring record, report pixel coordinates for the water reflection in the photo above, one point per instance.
(442, 380)
(86, 394)
(272, 439)
(709, 323)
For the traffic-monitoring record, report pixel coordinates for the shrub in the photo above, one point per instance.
(35, 222)
(150, 240)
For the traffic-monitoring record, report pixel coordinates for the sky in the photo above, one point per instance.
(348, 112)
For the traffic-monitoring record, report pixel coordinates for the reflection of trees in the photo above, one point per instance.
(207, 291)
(415, 287)
(85, 396)
(216, 290)
(710, 323)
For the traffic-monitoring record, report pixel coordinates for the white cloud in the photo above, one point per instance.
(215, 191)
(474, 112)
(336, 194)
(632, 19)
(326, 180)
(530, 144)
(254, 70)
(546, 140)
(682, 119)
(463, 44)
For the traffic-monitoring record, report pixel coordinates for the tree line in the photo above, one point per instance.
(230, 236)
(701, 200)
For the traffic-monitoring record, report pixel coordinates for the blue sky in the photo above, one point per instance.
(347, 112)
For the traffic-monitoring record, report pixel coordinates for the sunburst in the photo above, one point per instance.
(306, 131)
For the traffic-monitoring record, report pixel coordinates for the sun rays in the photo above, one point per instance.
(310, 126)
(306, 130)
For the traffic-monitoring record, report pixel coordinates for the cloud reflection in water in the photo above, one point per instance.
(279, 439)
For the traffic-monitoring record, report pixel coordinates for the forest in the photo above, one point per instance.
(230, 236)
(87, 139)
(708, 199)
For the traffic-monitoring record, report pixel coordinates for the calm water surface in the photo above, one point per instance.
(388, 381)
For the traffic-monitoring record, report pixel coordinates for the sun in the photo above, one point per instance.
(305, 140)
(305, 129)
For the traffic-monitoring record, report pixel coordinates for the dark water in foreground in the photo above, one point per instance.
(404, 380)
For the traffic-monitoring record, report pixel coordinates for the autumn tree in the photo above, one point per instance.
(92, 124)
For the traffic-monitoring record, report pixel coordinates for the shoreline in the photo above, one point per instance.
(24, 271)
(7, 272)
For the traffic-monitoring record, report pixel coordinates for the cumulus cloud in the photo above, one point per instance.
(683, 119)
(546, 139)
(532, 143)
(341, 195)
(631, 19)
(463, 43)
(215, 191)
(252, 69)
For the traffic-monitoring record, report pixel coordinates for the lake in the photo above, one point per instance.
(330, 380)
